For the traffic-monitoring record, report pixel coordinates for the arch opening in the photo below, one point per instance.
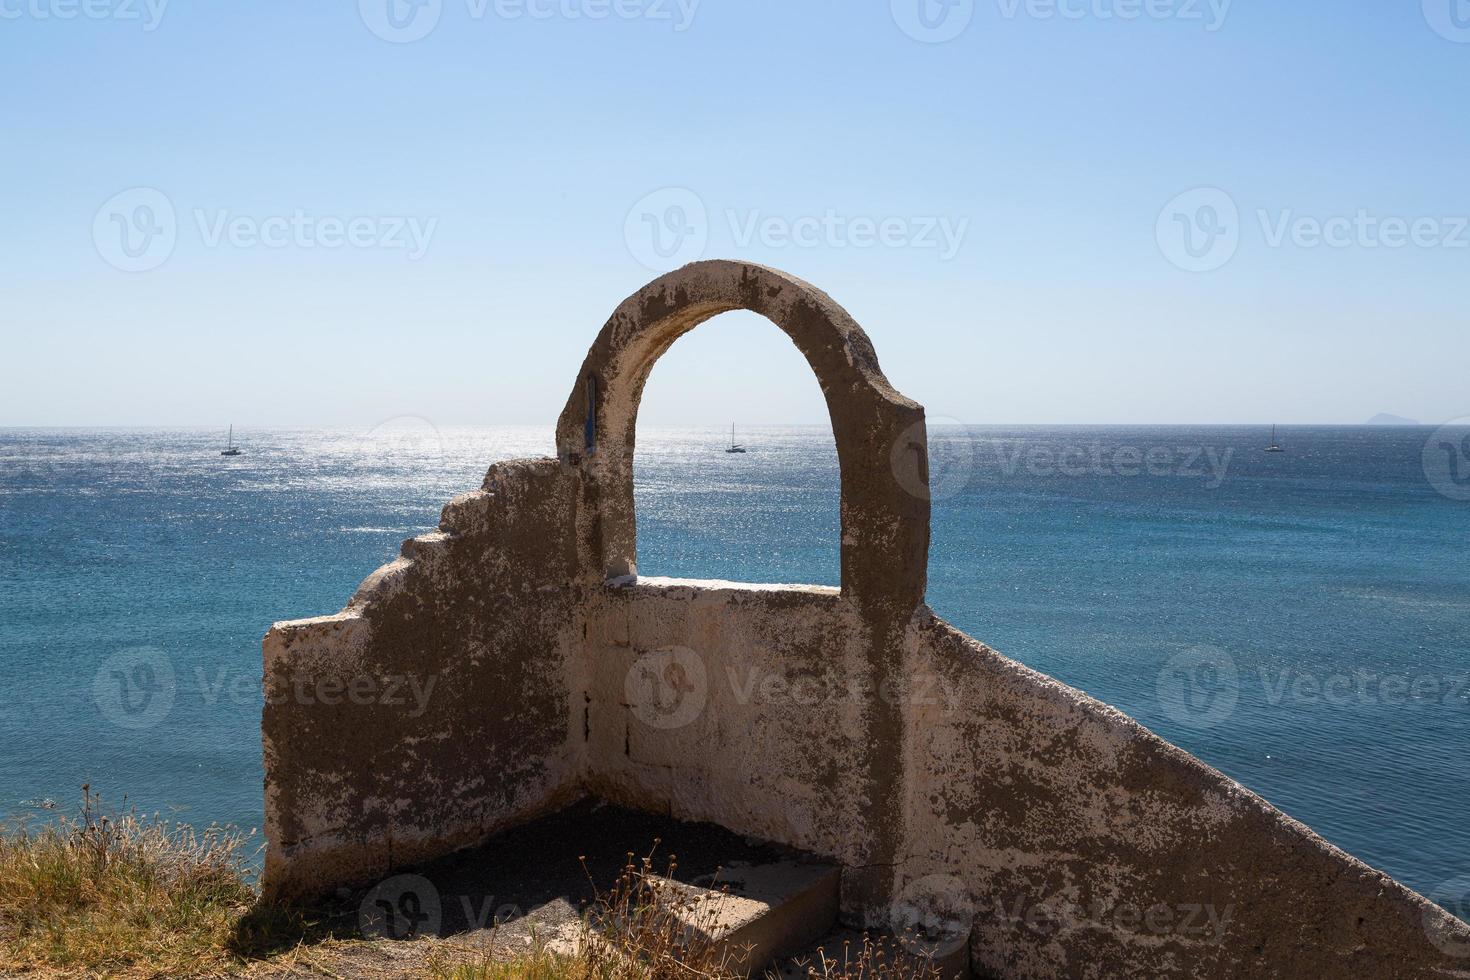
(879, 434)
(769, 514)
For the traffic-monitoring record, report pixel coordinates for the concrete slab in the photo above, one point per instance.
(761, 911)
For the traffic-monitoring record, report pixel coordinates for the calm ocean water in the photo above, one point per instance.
(1299, 620)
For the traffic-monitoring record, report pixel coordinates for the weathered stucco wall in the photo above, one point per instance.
(1081, 844)
(689, 711)
(960, 791)
(438, 706)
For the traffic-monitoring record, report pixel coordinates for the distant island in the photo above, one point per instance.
(1383, 418)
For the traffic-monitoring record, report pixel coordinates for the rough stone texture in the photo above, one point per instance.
(1063, 823)
(725, 744)
(961, 792)
(484, 611)
(756, 913)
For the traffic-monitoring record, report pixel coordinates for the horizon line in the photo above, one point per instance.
(306, 426)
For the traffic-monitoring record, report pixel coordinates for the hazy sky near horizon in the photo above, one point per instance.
(1111, 211)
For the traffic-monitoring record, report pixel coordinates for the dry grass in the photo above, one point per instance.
(653, 926)
(120, 895)
(540, 964)
(873, 959)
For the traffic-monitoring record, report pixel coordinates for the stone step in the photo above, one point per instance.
(757, 913)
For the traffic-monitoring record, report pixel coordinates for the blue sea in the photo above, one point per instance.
(1300, 620)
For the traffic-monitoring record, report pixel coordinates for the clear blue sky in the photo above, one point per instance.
(1056, 141)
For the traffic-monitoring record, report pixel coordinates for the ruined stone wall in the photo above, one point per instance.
(1079, 843)
(959, 790)
(438, 706)
(690, 709)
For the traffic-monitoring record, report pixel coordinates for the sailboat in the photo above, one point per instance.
(1275, 446)
(735, 447)
(230, 448)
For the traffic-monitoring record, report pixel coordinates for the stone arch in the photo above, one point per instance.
(882, 448)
